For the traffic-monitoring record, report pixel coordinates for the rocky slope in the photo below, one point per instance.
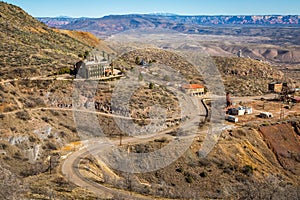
(247, 77)
(30, 48)
(84, 37)
(30, 135)
(240, 166)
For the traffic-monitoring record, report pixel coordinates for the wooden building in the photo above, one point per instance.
(275, 87)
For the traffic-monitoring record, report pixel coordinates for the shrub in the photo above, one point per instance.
(64, 71)
(247, 170)
(9, 109)
(51, 146)
(63, 134)
(151, 86)
(54, 113)
(3, 146)
(189, 179)
(137, 60)
(17, 155)
(180, 170)
(203, 174)
(161, 140)
(32, 139)
(23, 115)
(86, 54)
(45, 119)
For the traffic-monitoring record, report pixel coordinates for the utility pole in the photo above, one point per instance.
(121, 139)
(282, 113)
(50, 163)
(108, 57)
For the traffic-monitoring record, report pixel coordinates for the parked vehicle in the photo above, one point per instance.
(231, 118)
(266, 115)
(241, 110)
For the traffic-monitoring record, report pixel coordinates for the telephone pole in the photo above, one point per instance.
(121, 139)
(282, 113)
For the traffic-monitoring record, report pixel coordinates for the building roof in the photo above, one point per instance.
(275, 83)
(192, 86)
(296, 99)
(92, 62)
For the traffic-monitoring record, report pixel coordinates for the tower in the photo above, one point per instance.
(240, 53)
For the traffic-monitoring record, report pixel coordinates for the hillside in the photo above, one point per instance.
(36, 123)
(84, 37)
(242, 76)
(30, 48)
(247, 77)
(241, 166)
(43, 120)
(159, 57)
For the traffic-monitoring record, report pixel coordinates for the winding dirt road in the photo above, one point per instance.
(71, 169)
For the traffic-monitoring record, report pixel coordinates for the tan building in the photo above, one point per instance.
(194, 89)
(275, 87)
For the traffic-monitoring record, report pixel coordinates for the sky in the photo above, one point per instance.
(100, 8)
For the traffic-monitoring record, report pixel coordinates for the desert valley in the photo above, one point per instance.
(149, 106)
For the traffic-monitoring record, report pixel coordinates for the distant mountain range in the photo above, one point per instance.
(271, 34)
(192, 24)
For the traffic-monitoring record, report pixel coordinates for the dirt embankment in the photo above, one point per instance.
(285, 143)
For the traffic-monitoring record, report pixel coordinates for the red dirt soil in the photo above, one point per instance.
(283, 140)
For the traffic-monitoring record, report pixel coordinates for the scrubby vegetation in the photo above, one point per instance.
(246, 77)
(31, 48)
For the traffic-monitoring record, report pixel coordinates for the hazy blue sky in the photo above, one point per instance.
(99, 8)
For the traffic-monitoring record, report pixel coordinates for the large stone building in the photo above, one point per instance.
(92, 69)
